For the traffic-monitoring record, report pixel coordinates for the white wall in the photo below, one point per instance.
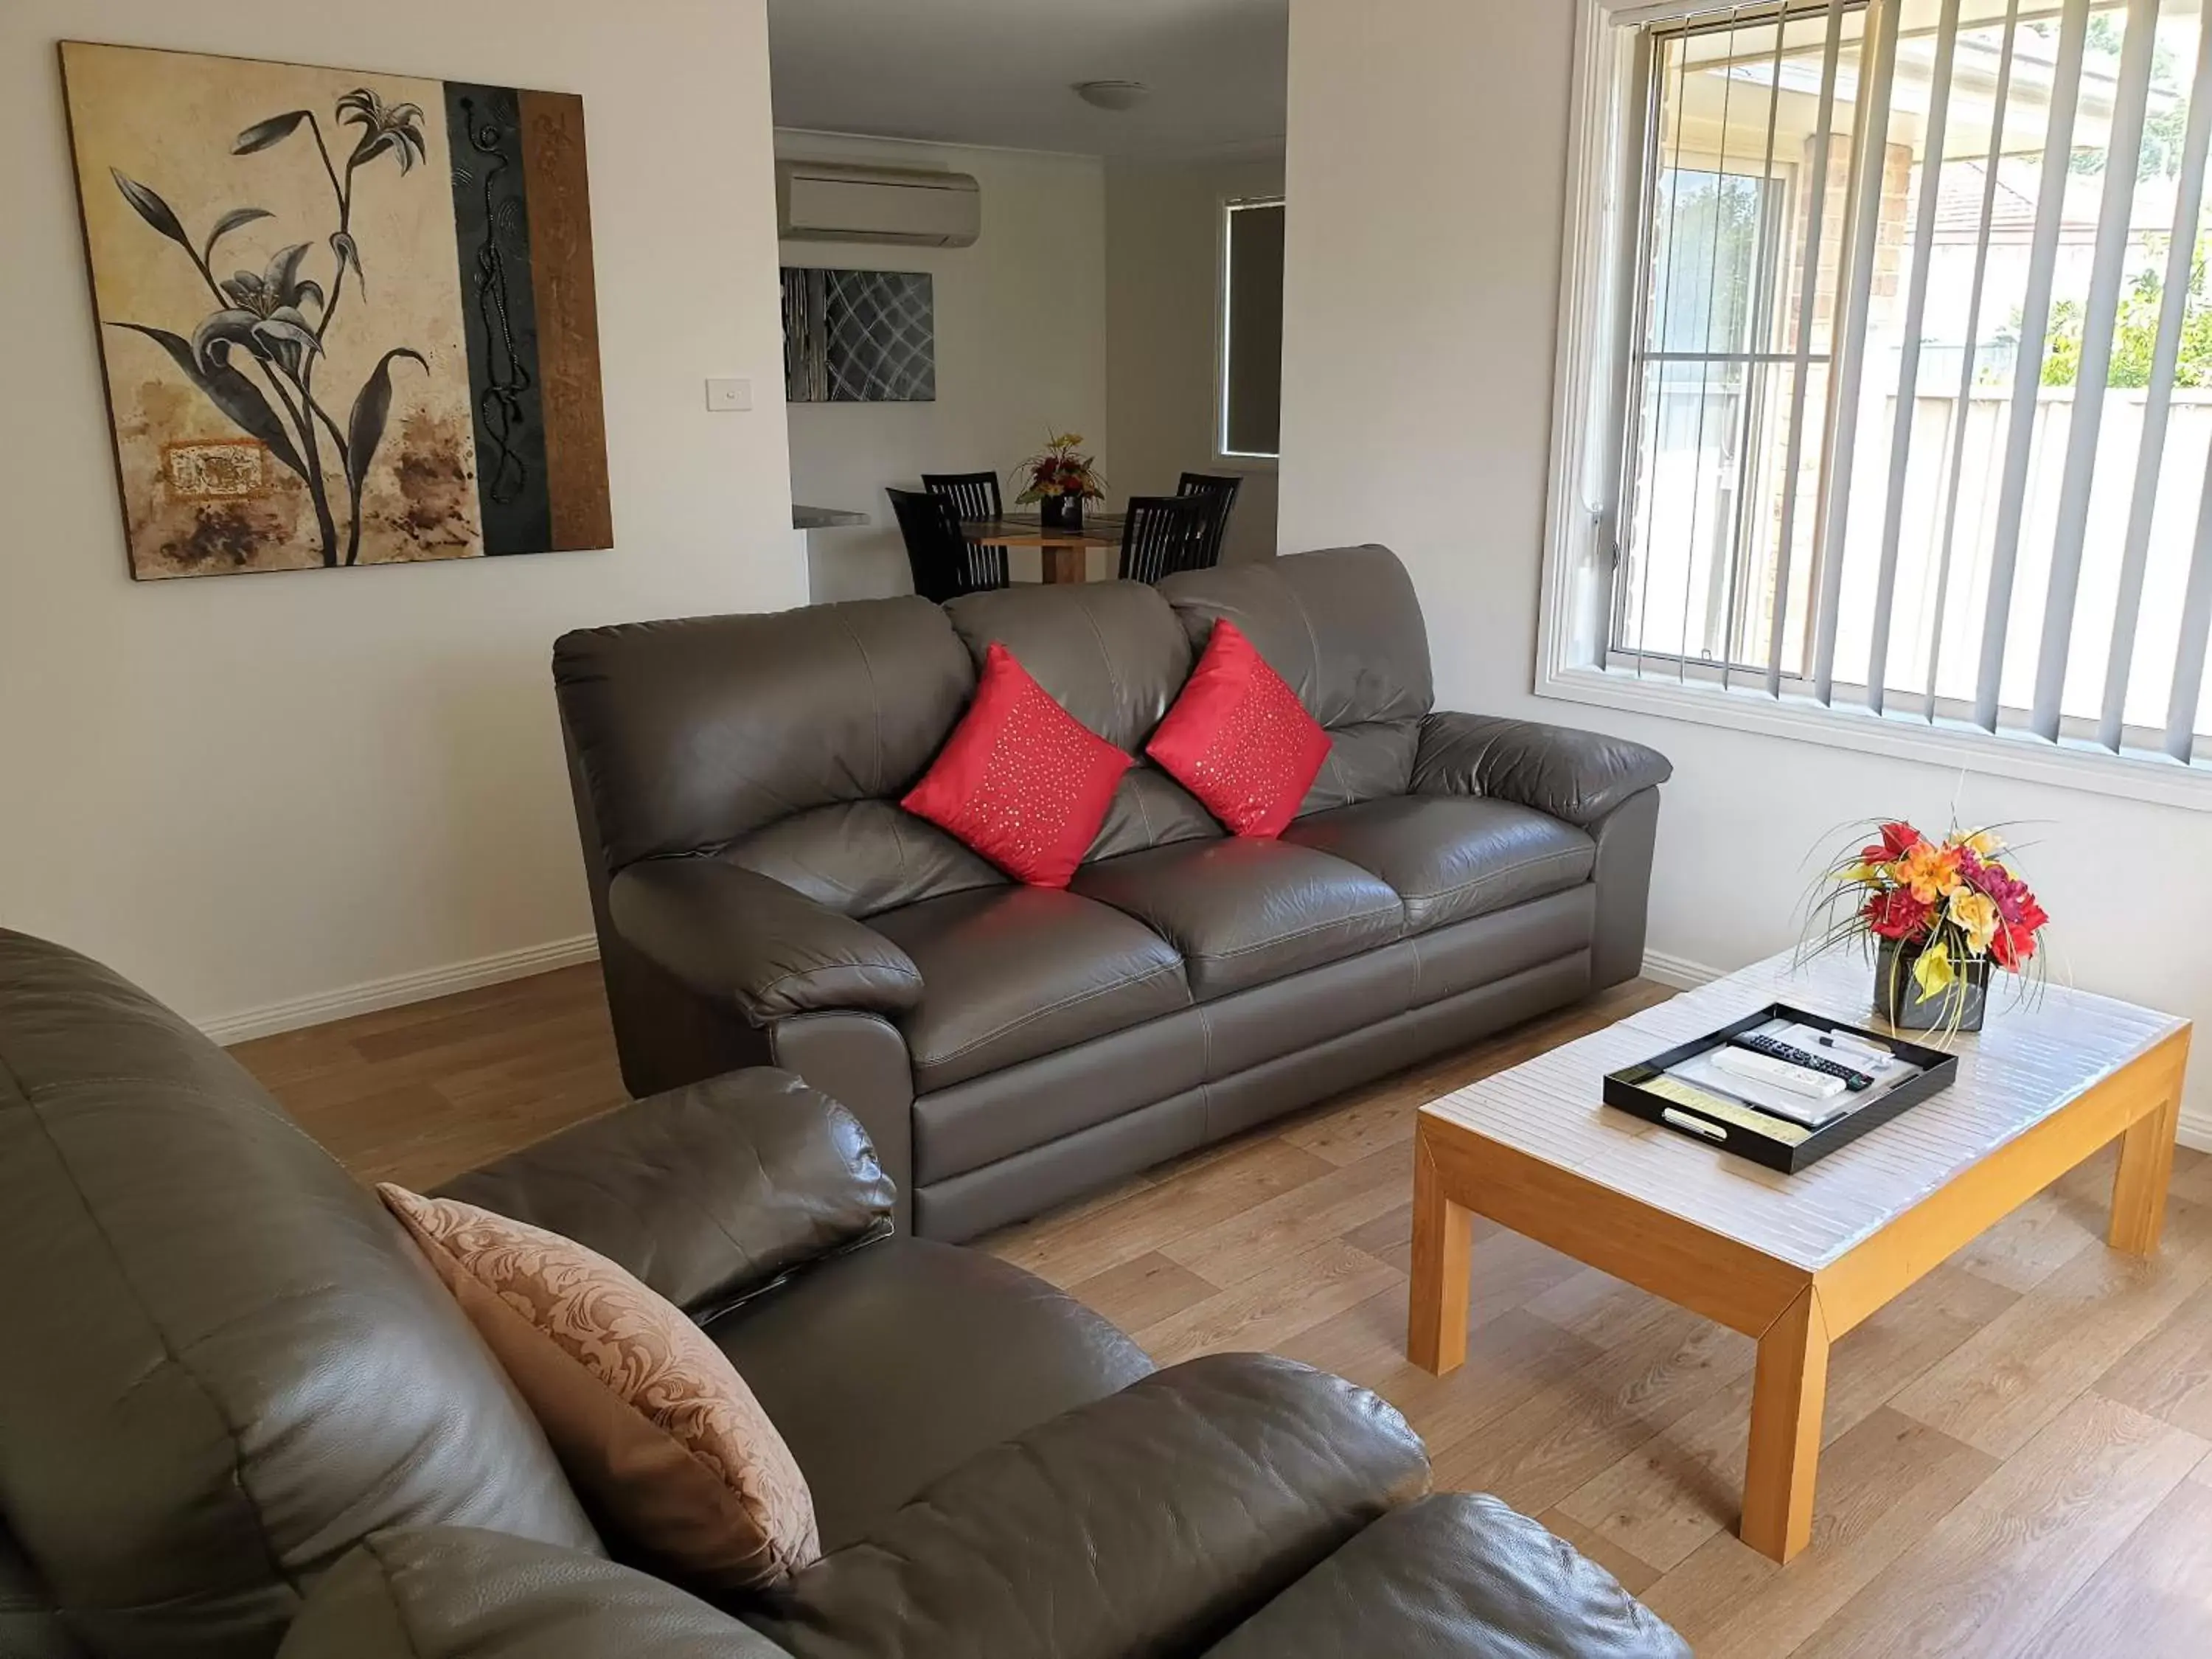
(1162, 271)
(1428, 161)
(255, 794)
(1021, 350)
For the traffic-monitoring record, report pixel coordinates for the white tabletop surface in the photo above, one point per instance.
(2029, 1060)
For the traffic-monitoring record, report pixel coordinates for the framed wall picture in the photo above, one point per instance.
(859, 337)
(345, 318)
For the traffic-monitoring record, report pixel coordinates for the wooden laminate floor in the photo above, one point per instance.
(2019, 1453)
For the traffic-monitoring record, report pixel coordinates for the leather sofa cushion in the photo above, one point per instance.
(1010, 973)
(1343, 628)
(1244, 911)
(1452, 857)
(857, 857)
(466, 1593)
(891, 1365)
(1111, 653)
(688, 735)
(1454, 1574)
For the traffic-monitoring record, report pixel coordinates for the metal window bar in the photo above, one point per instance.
(1793, 441)
(2158, 402)
(2028, 368)
(1870, 158)
(1706, 340)
(1749, 430)
(1908, 367)
(1666, 289)
(2124, 146)
(1970, 357)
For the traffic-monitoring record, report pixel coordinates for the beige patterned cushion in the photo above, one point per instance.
(650, 1420)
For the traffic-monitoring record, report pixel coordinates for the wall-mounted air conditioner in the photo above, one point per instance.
(830, 202)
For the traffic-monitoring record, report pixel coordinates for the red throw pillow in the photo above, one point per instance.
(1239, 739)
(1020, 779)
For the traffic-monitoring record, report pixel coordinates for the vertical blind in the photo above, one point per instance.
(1916, 414)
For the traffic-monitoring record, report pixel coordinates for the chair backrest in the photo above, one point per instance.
(944, 564)
(1164, 534)
(1222, 492)
(973, 494)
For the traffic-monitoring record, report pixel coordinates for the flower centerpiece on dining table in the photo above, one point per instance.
(1940, 914)
(1058, 478)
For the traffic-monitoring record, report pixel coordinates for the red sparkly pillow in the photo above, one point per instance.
(1239, 739)
(1020, 779)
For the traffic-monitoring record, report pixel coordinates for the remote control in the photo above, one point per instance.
(1774, 1049)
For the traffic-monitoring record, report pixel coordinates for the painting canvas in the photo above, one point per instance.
(346, 318)
(859, 337)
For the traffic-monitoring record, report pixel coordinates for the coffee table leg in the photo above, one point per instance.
(1790, 1392)
(2139, 1188)
(1444, 1248)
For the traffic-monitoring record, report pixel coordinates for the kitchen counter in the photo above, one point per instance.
(823, 518)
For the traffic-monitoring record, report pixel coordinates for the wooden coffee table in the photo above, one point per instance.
(1792, 1261)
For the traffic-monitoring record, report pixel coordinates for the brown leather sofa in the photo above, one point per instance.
(237, 1412)
(761, 898)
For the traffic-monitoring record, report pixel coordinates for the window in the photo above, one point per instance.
(1890, 388)
(1250, 400)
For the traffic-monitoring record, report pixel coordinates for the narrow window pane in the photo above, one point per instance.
(1252, 330)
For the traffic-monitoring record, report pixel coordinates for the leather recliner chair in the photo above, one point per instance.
(238, 1411)
(761, 899)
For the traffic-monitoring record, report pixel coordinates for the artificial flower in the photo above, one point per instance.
(1976, 914)
(1896, 914)
(2011, 945)
(1932, 873)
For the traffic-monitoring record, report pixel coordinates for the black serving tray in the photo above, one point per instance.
(1625, 1090)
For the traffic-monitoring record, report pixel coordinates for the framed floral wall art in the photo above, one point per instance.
(345, 318)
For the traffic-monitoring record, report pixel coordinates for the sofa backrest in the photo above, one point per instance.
(1113, 655)
(225, 1365)
(1343, 626)
(780, 741)
(783, 742)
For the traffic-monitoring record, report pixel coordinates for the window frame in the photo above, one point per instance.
(1575, 604)
(1233, 460)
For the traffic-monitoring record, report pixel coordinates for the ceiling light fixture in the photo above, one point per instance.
(1115, 96)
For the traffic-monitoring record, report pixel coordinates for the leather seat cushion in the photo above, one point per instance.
(888, 1366)
(1451, 857)
(1243, 911)
(1456, 1573)
(1011, 973)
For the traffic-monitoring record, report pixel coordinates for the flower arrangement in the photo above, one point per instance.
(1952, 909)
(1059, 470)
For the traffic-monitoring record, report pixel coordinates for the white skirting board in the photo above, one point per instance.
(419, 987)
(1684, 976)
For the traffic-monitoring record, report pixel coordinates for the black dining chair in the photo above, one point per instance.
(973, 494)
(945, 564)
(1222, 492)
(1163, 534)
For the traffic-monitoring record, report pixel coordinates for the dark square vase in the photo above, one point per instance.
(1957, 1007)
(1061, 512)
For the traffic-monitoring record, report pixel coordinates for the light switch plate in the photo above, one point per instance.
(725, 395)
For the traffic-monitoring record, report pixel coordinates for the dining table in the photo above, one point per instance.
(1065, 553)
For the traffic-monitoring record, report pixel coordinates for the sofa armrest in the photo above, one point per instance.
(732, 935)
(462, 1593)
(1150, 1521)
(1457, 1573)
(706, 1193)
(1577, 775)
